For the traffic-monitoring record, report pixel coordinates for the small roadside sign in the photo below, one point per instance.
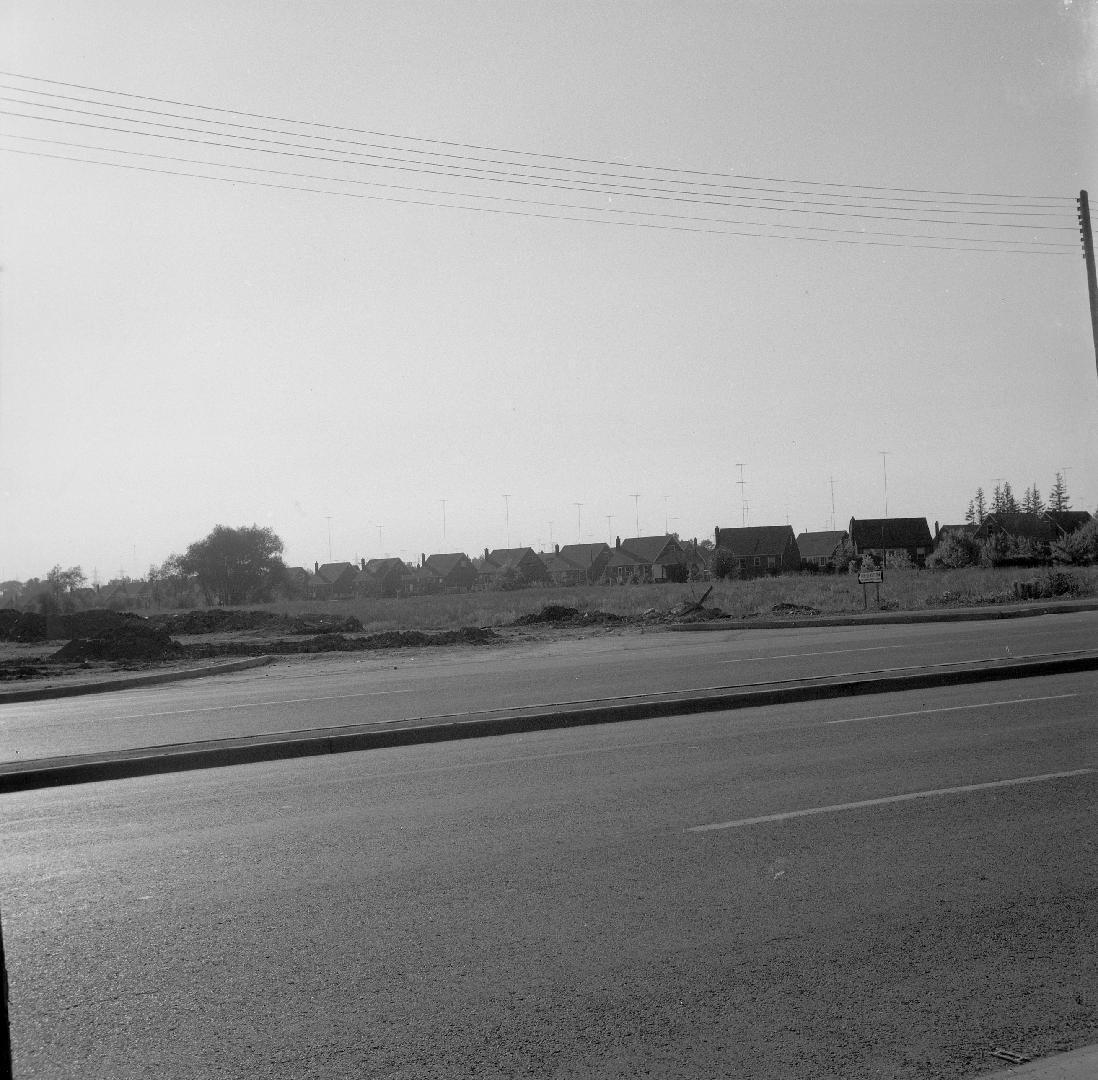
(870, 577)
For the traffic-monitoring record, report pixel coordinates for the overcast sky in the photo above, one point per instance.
(180, 352)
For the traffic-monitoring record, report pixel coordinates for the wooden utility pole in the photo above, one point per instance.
(1088, 256)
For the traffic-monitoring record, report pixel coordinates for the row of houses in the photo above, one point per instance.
(750, 551)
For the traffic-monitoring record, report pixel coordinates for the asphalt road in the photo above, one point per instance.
(639, 899)
(369, 688)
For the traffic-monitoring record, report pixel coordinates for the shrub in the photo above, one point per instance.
(724, 564)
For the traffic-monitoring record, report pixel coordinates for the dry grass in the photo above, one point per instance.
(829, 594)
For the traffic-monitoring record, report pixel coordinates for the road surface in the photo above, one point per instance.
(887, 887)
(327, 691)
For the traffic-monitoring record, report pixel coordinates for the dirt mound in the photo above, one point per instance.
(558, 613)
(798, 611)
(138, 641)
(392, 639)
(95, 621)
(323, 624)
(9, 673)
(22, 626)
(217, 621)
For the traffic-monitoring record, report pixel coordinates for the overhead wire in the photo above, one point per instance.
(297, 151)
(967, 204)
(866, 239)
(497, 149)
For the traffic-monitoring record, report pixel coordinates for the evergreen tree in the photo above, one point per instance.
(1058, 496)
(1032, 502)
(970, 513)
(1010, 503)
(981, 506)
(997, 500)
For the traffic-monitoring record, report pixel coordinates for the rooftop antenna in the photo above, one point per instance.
(884, 462)
(636, 506)
(609, 530)
(831, 481)
(328, 518)
(666, 520)
(443, 501)
(507, 516)
(379, 542)
(579, 522)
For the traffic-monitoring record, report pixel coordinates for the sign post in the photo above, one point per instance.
(870, 577)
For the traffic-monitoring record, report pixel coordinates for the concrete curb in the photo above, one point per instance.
(896, 617)
(181, 757)
(1081, 1064)
(43, 693)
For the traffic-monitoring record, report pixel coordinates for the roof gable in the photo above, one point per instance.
(820, 544)
(756, 539)
(889, 533)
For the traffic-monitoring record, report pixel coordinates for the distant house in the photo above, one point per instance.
(453, 572)
(381, 577)
(560, 570)
(640, 559)
(889, 538)
(968, 529)
(697, 560)
(518, 565)
(1035, 531)
(589, 559)
(760, 549)
(339, 578)
(821, 549)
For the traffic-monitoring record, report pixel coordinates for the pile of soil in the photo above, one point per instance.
(797, 611)
(22, 626)
(323, 624)
(137, 641)
(392, 639)
(559, 614)
(217, 621)
(19, 671)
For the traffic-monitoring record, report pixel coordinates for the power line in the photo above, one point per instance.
(865, 241)
(504, 150)
(965, 205)
(526, 180)
(617, 211)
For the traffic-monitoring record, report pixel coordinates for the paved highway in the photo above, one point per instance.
(878, 887)
(367, 688)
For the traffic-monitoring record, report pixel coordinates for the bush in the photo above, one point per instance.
(724, 564)
(1079, 548)
(954, 551)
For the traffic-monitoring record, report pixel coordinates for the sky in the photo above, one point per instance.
(359, 270)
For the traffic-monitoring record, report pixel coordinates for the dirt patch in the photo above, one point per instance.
(323, 624)
(559, 615)
(392, 639)
(14, 672)
(793, 611)
(138, 641)
(217, 621)
(22, 626)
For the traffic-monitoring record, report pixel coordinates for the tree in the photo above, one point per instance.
(1058, 496)
(62, 582)
(970, 513)
(1032, 502)
(981, 506)
(235, 566)
(1079, 547)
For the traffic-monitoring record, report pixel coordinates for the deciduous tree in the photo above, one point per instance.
(235, 566)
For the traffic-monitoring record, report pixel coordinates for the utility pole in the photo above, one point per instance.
(884, 461)
(1088, 256)
(579, 522)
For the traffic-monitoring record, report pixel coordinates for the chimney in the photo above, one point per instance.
(363, 564)
(486, 553)
(717, 536)
(936, 530)
(422, 559)
(556, 549)
(617, 542)
(316, 568)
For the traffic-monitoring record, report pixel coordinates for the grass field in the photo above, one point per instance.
(910, 590)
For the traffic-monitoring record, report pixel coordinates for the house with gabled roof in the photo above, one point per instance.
(760, 549)
(589, 559)
(381, 577)
(560, 570)
(339, 578)
(890, 538)
(452, 572)
(514, 565)
(638, 559)
(820, 550)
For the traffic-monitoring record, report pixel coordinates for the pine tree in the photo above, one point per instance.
(970, 513)
(997, 500)
(1058, 496)
(981, 506)
(1010, 503)
(1032, 502)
